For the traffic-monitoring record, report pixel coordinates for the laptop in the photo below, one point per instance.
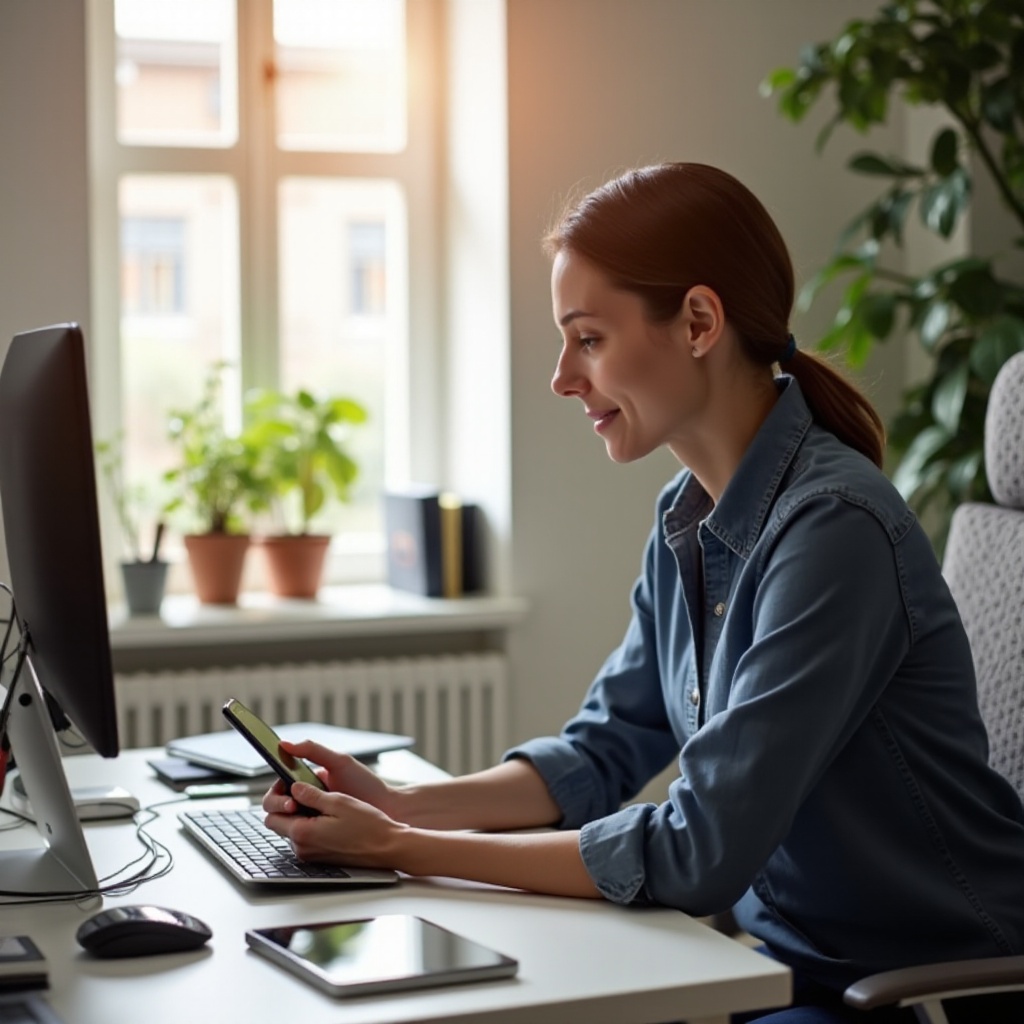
(229, 752)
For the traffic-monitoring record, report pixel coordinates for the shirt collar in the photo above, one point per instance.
(738, 518)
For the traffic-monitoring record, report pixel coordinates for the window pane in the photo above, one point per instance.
(176, 72)
(343, 302)
(340, 74)
(179, 304)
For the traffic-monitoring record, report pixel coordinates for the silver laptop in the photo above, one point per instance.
(229, 752)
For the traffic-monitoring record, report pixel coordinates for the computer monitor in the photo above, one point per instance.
(51, 522)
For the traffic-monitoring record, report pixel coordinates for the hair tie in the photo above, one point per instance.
(790, 350)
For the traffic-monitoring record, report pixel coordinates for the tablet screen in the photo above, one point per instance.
(379, 954)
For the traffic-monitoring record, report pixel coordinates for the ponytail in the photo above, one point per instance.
(838, 405)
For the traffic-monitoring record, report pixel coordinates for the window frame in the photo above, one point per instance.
(413, 427)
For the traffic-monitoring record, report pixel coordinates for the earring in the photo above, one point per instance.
(694, 352)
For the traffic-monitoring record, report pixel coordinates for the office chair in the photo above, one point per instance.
(984, 566)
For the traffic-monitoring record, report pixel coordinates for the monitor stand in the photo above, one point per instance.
(63, 864)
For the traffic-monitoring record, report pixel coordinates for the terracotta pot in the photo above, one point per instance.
(216, 560)
(295, 563)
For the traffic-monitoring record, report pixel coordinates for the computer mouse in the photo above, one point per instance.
(141, 931)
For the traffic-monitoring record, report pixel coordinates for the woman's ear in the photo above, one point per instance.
(702, 318)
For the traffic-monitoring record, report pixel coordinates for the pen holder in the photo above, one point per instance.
(144, 584)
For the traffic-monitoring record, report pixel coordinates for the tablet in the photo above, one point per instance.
(375, 955)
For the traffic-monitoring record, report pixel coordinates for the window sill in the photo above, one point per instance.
(342, 611)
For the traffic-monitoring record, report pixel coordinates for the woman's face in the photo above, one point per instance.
(636, 379)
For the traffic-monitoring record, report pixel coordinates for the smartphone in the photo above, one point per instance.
(390, 953)
(289, 769)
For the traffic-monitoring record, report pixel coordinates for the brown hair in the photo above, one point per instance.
(659, 231)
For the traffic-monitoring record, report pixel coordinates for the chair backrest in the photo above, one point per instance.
(984, 566)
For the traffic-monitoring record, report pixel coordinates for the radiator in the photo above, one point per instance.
(453, 705)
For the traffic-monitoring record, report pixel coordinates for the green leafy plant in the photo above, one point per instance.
(216, 478)
(967, 58)
(303, 458)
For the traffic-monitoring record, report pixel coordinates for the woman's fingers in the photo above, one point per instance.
(309, 750)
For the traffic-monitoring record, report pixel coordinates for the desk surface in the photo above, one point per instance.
(580, 960)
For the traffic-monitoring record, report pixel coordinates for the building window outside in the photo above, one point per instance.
(152, 265)
(366, 247)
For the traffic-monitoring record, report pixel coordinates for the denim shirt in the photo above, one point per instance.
(796, 649)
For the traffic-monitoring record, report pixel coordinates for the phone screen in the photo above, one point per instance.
(268, 743)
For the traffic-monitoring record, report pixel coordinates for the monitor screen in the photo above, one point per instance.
(51, 521)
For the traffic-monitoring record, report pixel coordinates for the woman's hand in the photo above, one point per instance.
(347, 830)
(340, 773)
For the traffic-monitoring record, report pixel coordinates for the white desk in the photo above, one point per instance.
(580, 960)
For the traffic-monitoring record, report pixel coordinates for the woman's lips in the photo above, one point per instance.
(602, 420)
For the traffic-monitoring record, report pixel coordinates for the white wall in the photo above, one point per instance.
(44, 244)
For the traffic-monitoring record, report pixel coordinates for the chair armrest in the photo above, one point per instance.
(934, 981)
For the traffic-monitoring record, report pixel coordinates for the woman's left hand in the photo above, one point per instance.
(346, 831)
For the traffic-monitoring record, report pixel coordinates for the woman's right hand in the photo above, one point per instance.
(340, 773)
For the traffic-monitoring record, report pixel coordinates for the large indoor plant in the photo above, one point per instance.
(215, 484)
(967, 58)
(303, 463)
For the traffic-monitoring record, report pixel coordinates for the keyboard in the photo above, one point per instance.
(241, 844)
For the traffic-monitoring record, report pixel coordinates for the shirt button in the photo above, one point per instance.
(720, 609)
(695, 696)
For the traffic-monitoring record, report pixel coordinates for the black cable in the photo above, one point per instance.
(10, 621)
(20, 820)
(153, 852)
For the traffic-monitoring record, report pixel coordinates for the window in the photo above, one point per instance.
(263, 178)
(152, 264)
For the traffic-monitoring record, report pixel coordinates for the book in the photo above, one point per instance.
(433, 543)
(178, 773)
(412, 522)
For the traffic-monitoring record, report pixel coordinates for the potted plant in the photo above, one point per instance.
(215, 483)
(964, 59)
(302, 461)
(144, 579)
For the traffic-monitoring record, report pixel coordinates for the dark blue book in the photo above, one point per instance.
(412, 522)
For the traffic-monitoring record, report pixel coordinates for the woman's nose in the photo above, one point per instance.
(567, 382)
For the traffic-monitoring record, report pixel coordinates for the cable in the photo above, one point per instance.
(20, 820)
(153, 853)
(10, 621)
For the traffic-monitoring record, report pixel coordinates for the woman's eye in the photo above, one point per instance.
(587, 343)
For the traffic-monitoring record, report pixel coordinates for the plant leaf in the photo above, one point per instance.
(872, 163)
(996, 342)
(934, 324)
(999, 104)
(910, 473)
(943, 202)
(962, 473)
(780, 78)
(944, 150)
(948, 398)
(877, 311)
(975, 291)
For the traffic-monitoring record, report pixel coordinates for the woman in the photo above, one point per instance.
(792, 643)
